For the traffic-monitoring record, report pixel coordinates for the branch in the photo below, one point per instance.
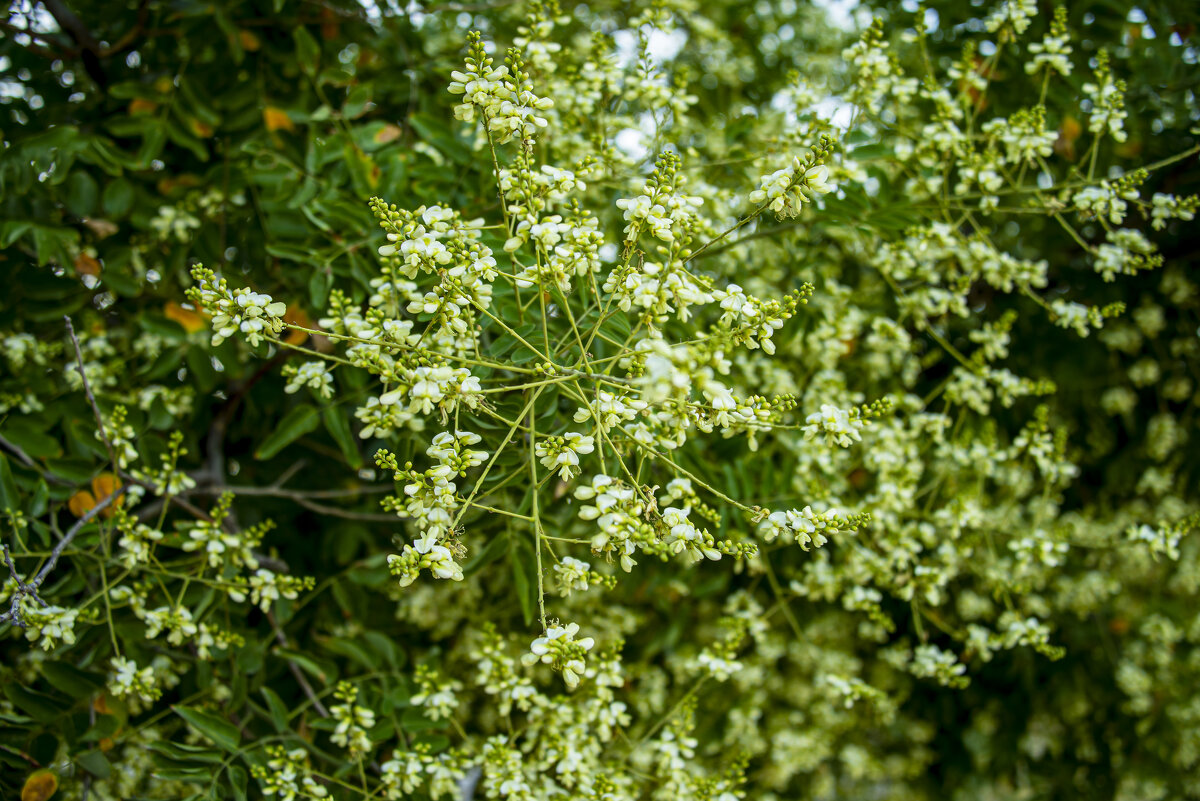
(24, 459)
(295, 669)
(127, 39)
(87, 390)
(16, 451)
(89, 49)
(30, 589)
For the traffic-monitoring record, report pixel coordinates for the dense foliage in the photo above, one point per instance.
(626, 401)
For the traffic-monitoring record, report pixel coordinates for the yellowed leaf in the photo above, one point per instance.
(276, 119)
(388, 133)
(191, 320)
(140, 105)
(296, 316)
(201, 129)
(39, 786)
(104, 485)
(87, 265)
(81, 503)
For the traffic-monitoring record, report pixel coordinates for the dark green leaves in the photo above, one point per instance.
(220, 731)
(295, 424)
(337, 423)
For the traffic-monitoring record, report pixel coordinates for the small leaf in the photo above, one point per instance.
(237, 782)
(40, 707)
(387, 133)
(307, 50)
(81, 503)
(9, 499)
(94, 763)
(71, 680)
(279, 715)
(182, 752)
(524, 578)
(191, 320)
(353, 651)
(117, 199)
(338, 426)
(276, 119)
(39, 786)
(221, 732)
(295, 424)
(489, 553)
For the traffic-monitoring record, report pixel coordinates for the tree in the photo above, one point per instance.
(611, 402)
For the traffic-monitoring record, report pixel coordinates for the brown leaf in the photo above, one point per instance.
(388, 133)
(296, 316)
(191, 320)
(101, 228)
(39, 786)
(81, 503)
(140, 105)
(276, 119)
(87, 265)
(200, 129)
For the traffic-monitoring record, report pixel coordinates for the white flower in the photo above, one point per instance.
(562, 453)
(839, 426)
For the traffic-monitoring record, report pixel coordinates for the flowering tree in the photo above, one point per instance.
(695, 428)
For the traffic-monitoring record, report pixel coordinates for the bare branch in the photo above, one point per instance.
(30, 589)
(24, 459)
(295, 669)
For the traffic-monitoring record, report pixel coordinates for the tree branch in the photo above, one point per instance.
(29, 589)
(87, 390)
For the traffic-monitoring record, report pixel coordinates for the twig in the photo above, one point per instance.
(301, 497)
(16, 451)
(24, 459)
(269, 562)
(295, 669)
(29, 589)
(87, 390)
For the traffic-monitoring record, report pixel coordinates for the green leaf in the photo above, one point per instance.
(182, 752)
(94, 763)
(71, 680)
(496, 547)
(152, 145)
(237, 782)
(337, 423)
(279, 713)
(353, 651)
(82, 194)
(318, 287)
(307, 50)
(117, 199)
(414, 720)
(307, 664)
(9, 499)
(524, 570)
(33, 442)
(105, 726)
(386, 648)
(220, 731)
(189, 775)
(295, 424)
(42, 708)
